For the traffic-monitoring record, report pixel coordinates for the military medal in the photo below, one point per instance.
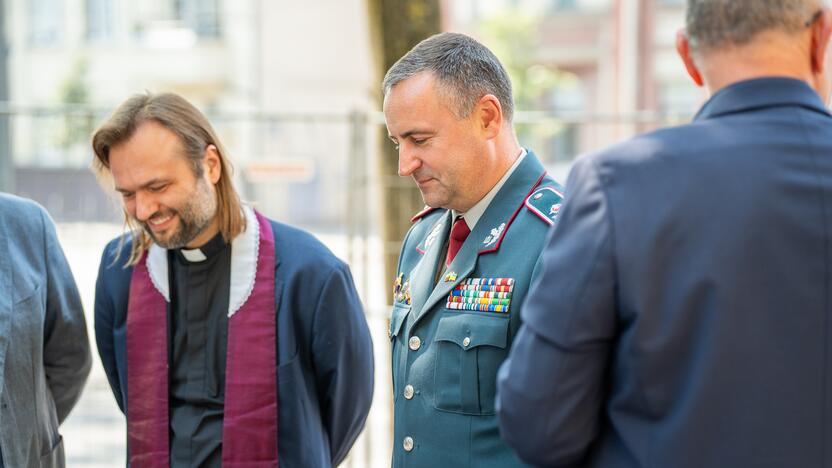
(406, 292)
(482, 295)
(397, 288)
(450, 277)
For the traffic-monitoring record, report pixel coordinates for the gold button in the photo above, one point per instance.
(466, 341)
(408, 444)
(408, 391)
(415, 343)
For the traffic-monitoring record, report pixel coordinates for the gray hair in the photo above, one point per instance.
(465, 71)
(712, 24)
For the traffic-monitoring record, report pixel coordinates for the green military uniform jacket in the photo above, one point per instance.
(450, 336)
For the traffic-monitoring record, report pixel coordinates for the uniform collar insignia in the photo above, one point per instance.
(554, 210)
(491, 238)
(433, 235)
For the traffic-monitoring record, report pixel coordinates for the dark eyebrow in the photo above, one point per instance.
(144, 186)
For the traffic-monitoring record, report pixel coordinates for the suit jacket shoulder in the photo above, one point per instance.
(23, 219)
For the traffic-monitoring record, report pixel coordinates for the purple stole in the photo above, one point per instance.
(249, 429)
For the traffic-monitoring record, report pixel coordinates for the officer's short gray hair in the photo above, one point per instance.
(465, 71)
(714, 24)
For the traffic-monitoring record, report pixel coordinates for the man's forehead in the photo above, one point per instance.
(151, 143)
(152, 153)
(420, 85)
(414, 107)
(151, 133)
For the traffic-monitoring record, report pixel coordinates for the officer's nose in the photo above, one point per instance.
(407, 162)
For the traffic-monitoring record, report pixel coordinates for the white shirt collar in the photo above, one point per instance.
(244, 256)
(193, 255)
(473, 215)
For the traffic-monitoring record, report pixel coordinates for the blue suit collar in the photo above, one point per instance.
(760, 93)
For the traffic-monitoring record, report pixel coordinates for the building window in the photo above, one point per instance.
(45, 22)
(163, 21)
(561, 5)
(202, 16)
(100, 19)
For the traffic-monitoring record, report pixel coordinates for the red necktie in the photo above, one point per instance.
(459, 232)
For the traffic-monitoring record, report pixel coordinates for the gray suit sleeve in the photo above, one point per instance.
(551, 386)
(66, 354)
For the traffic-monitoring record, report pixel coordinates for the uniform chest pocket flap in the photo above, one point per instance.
(471, 348)
(397, 319)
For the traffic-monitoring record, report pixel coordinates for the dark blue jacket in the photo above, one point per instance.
(682, 318)
(324, 351)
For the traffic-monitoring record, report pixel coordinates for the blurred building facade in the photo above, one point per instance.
(293, 92)
(273, 77)
(618, 69)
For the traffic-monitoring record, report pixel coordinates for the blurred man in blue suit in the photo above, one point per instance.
(682, 318)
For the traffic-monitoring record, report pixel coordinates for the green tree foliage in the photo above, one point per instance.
(76, 127)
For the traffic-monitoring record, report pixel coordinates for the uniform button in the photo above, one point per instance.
(408, 444)
(466, 341)
(408, 391)
(415, 343)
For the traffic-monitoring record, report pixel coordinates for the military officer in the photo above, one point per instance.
(468, 259)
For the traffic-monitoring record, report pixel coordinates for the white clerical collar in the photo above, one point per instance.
(193, 255)
(473, 215)
(244, 255)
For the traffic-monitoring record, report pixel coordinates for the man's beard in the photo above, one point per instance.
(194, 217)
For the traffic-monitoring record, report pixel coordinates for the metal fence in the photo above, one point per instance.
(317, 171)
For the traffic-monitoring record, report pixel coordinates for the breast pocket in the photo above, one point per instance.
(27, 323)
(397, 318)
(471, 348)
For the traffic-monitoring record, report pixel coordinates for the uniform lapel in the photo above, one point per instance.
(488, 233)
(462, 266)
(422, 276)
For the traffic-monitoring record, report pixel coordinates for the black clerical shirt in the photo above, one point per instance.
(198, 333)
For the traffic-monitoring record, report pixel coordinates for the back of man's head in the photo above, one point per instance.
(465, 70)
(718, 24)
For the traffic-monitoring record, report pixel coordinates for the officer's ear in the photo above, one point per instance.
(489, 115)
(683, 48)
(821, 27)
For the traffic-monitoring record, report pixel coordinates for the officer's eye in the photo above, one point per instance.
(157, 188)
(419, 141)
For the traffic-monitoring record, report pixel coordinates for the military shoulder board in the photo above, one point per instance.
(421, 214)
(545, 202)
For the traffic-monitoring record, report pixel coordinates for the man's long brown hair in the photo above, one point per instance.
(194, 132)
